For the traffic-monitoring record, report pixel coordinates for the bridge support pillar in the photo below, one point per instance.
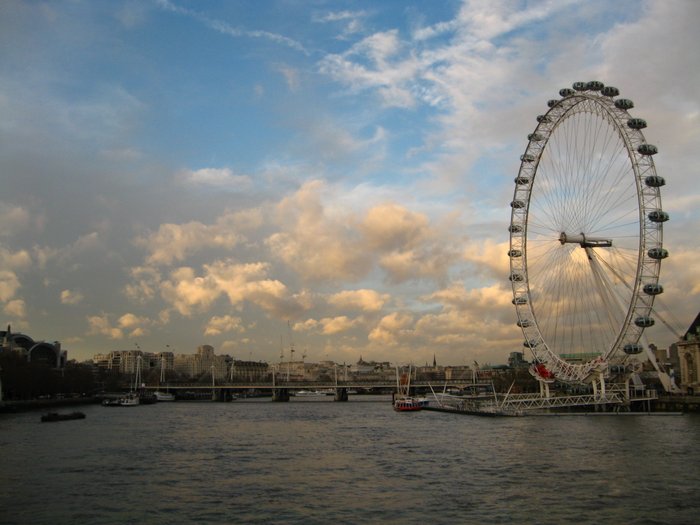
(341, 394)
(280, 394)
(218, 394)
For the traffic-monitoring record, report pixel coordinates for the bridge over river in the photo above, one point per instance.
(282, 390)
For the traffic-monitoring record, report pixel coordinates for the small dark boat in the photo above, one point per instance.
(55, 416)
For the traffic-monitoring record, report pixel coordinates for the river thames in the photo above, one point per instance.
(321, 462)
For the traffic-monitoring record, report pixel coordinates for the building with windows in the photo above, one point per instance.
(41, 352)
(689, 358)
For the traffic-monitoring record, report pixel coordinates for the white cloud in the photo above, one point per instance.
(392, 329)
(174, 242)
(227, 323)
(100, 325)
(14, 219)
(225, 28)
(9, 284)
(316, 245)
(217, 177)
(16, 308)
(363, 300)
(185, 291)
(71, 297)
(240, 283)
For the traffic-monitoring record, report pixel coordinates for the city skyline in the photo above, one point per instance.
(337, 174)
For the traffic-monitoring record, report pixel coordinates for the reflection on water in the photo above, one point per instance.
(316, 461)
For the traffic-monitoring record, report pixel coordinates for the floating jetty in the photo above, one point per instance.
(617, 399)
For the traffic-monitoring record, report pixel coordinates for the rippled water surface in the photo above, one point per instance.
(317, 462)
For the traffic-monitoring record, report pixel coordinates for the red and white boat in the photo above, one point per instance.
(407, 404)
(403, 401)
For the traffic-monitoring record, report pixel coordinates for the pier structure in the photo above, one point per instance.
(616, 398)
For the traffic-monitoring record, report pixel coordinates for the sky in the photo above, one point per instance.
(334, 175)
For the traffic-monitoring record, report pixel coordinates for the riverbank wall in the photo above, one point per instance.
(42, 404)
(677, 403)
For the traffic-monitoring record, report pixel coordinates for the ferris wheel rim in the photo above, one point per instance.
(588, 97)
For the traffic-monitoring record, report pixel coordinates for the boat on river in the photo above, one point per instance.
(403, 401)
(55, 416)
(159, 395)
(407, 404)
(130, 400)
(163, 396)
(308, 393)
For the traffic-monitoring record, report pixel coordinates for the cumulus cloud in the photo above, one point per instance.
(71, 297)
(127, 325)
(9, 284)
(188, 292)
(392, 328)
(329, 325)
(410, 248)
(15, 308)
(336, 325)
(313, 243)
(174, 242)
(14, 219)
(145, 284)
(19, 260)
(488, 258)
(226, 323)
(391, 227)
(101, 325)
(363, 300)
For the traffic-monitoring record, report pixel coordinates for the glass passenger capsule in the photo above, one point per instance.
(610, 91)
(636, 123)
(654, 181)
(535, 137)
(658, 216)
(566, 92)
(524, 323)
(522, 180)
(515, 228)
(594, 85)
(647, 149)
(527, 157)
(516, 277)
(580, 86)
(543, 118)
(644, 321)
(552, 102)
(632, 348)
(517, 204)
(624, 103)
(653, 289)
(657, 253)
(515, 253)
(530, 343)
(519, 301)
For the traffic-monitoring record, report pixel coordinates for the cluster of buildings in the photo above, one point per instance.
(41, 352)
(202, 363)
(682, 360)
(205, 364)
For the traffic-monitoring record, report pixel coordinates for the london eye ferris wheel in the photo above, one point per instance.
(586, 234)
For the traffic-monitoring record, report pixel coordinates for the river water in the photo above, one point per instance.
(321, 462)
